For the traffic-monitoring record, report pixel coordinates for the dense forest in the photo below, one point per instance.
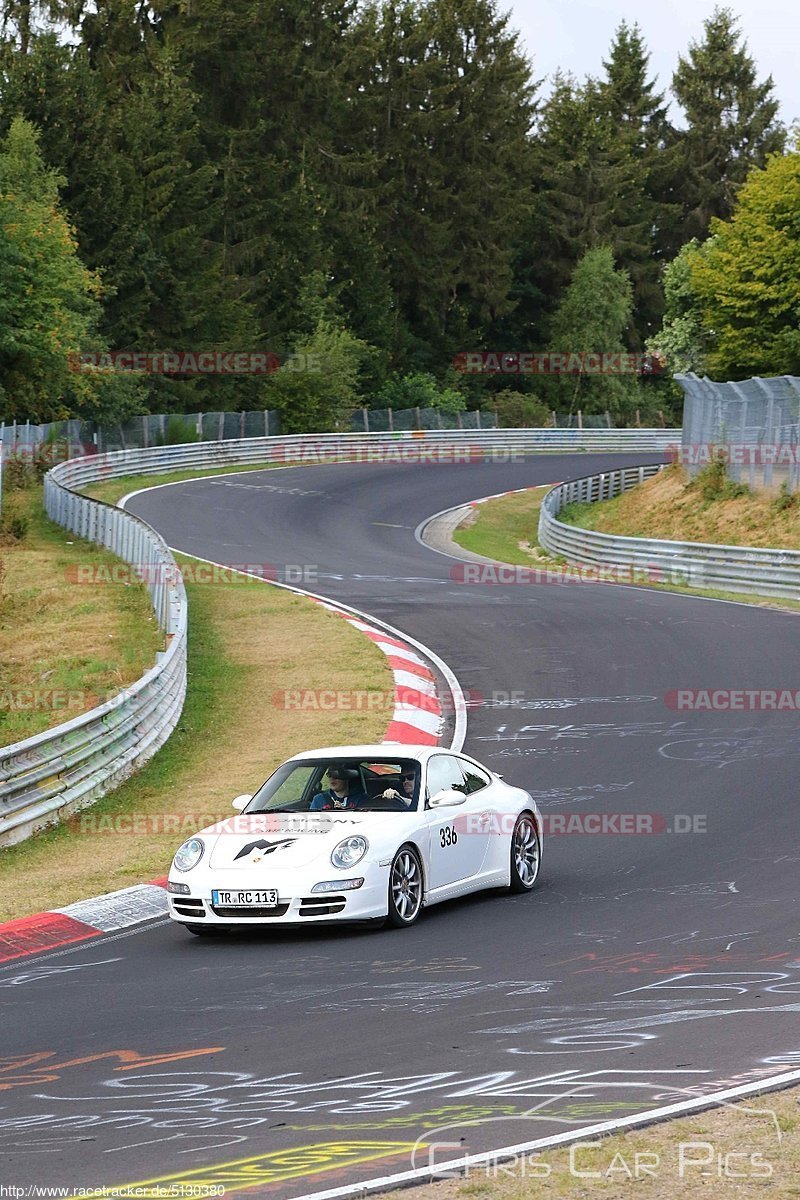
(377, 189)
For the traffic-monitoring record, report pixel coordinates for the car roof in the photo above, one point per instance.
(381, 750)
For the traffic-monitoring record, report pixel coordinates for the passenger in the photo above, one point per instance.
(339, 793)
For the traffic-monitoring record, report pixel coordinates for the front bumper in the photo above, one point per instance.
(297, 903)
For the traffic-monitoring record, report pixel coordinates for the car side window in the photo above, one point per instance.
(444, 771)
(475, 778)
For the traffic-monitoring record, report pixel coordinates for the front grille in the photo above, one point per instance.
(321, 906)
(234, 912)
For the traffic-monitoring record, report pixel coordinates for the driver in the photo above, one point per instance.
(339, 793)
(408, 781)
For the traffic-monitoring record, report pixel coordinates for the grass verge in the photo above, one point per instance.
(670, 506)
(505, 529)
(248, 643)
(731, 1153)
(63, 648)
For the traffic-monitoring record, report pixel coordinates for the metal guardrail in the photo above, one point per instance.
(409, 446)
(63, 769)
(747, 569)
(45, 778)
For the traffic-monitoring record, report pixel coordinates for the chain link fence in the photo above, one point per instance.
(754, 425)
(164, 429)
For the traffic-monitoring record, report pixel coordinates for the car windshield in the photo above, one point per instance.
(365, 785)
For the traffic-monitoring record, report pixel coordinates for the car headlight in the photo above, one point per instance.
(349, 852)
(189, 854)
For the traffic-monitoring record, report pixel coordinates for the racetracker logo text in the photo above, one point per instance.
(733, 700)
(489, 573)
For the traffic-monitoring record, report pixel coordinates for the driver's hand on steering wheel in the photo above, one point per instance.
(391, 794)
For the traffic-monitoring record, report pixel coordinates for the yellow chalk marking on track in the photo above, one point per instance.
(241, 1174)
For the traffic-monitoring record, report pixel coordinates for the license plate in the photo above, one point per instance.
(260, 899)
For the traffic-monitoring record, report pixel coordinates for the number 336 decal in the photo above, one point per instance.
(448, 835)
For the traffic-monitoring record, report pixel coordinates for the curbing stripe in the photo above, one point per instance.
(401, 731)
(121, 909)
(81, 921)
(414, 685)
(42, 931)
(404, 664)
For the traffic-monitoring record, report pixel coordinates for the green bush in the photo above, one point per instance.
(14, 524)
(516, 410)
(785, 499)
(419, 390)
(713, 483)
(177, 431)
(18, 474)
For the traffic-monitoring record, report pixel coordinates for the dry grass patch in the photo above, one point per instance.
(666, 506)
(63, 647)
(753, 1149)
(248, 642)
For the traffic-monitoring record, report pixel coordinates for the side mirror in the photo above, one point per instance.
(447, 798)
(241, 802)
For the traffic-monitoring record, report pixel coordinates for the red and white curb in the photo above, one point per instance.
(417, 720)
(110, 913)
(499, 495)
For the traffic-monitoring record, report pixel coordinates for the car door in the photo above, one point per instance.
(457, 839)
(484, 814)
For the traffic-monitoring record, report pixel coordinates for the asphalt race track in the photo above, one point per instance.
(644, 969)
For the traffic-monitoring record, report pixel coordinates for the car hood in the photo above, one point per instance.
(289, 839)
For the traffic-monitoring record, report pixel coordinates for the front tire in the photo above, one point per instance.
(405, 888)
(526, 854)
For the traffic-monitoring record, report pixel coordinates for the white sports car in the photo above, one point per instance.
(358, 833)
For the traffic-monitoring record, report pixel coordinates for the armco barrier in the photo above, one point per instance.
(343, 447)
(46, 777)
(748, 569)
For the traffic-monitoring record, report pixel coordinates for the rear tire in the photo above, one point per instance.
(526, 854)
(405, 888)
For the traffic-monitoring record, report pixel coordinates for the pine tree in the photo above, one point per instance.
(450, 106)
(732, 123)
(599, 178)
(646, 164)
